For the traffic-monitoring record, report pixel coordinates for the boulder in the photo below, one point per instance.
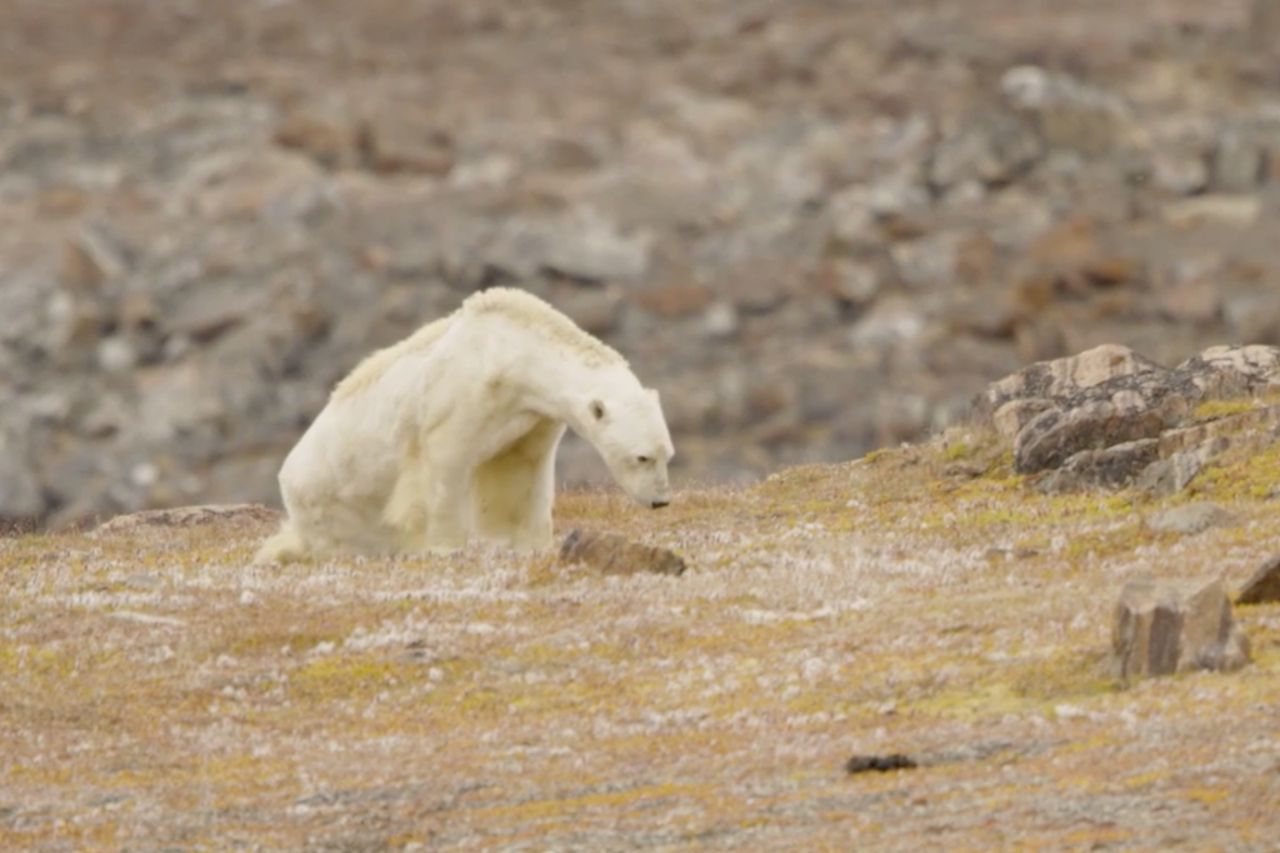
(1054, 411)
(1163, 627)
(1064, 377)
(611, 554)
(1055, 436)
(1111, 467)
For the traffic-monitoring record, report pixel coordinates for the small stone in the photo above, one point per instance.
(611, 554)
(116, 354)
(391, 143)
(992, 149)
(879, 763)
(720, 320)
(1189, 519)
(1239, 211)
(1264, 586)
(1194, 301)
(1163, 627)
(1180, 172)
(590, 248)
(327, 138)
(1238, 163)
(675, 300)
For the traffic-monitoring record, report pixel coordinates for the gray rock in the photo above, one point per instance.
(1189, 519)
(1164, 627)
(992, 149)
(1011, 417)
(1239, 163)
(581, 246)
(1056, 435)
(1070, 113)
(1180, 172)
(928, 262)
(21, 495)
(1165, 477)
(1228, 371)
(1263, 587)
(1264, 22)
(1063, 377)
(1111, 467)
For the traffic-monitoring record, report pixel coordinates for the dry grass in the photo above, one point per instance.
(157, 692)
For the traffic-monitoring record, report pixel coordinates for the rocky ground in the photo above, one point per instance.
(926, 606)
(818, 227)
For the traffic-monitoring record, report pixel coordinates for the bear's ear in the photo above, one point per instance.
(597, 409)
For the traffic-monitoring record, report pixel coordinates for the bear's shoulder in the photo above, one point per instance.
(376, 364)
(530, 312)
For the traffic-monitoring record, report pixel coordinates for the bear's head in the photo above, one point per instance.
(631, 435)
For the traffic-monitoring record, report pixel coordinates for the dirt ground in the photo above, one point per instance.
(157, 692)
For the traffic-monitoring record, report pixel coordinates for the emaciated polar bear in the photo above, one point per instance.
(452, 434)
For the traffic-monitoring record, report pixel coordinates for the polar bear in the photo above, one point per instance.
(452, 433)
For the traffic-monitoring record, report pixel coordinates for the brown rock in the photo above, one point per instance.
(392, 143)
(675, 300)
(328, 140)
(611, 554)
(1264, 586)
(1192, 301)
(1163, 627)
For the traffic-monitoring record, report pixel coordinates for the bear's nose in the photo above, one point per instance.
(660, 503)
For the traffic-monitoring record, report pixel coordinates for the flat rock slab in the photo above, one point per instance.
(190, 516)
(1189, 519)
(611, 554)
(1163, 627)
(1264, 586)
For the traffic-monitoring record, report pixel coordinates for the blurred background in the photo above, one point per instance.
(817, 226)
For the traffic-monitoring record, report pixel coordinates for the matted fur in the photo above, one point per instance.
(531, 312)
(519, 305)
(369, 371)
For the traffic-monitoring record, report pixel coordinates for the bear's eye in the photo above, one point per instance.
(644, 460)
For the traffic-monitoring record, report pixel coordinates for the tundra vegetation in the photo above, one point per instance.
(157, 691)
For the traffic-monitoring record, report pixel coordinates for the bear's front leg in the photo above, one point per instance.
(448, 521)
(515, 490)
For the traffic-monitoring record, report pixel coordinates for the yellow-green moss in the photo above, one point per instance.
(349, 676)
(1214, 409)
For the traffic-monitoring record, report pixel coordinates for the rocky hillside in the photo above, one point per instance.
(916, 647)
(818, 227)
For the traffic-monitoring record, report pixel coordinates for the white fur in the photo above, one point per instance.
(452, 434)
